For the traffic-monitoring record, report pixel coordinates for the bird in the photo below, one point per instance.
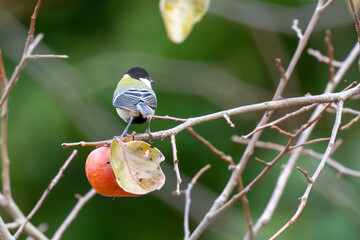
(134, 99)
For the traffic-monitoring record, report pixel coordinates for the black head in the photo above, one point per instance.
(137, 73)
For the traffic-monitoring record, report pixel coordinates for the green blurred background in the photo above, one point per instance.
(227, 61)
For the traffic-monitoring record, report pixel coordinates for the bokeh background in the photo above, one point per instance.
(227, 61)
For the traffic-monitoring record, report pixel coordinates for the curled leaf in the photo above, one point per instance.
(137, 166)
(180, 16)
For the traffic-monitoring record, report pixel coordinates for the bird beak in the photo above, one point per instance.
(152, 81)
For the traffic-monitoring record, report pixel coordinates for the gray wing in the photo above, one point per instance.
(131, 97)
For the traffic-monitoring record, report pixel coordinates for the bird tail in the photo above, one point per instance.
(144, 109)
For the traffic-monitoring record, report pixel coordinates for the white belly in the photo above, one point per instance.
(127, 114)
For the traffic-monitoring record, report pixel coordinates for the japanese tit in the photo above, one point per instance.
(134, 99)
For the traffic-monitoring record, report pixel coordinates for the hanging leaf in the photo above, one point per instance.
(137, 166)
(180, 16)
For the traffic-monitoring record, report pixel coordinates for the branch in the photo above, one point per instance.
(188, 200)
(357, 23)
(4, 232)
(349, 124)
(176, 164)
(308, 178)
(284, 175)
(45, 194)
(5, 174)
(330, 51)
(30, 36)
(264, 106)
(215, 212)
(228, 159)
(246, 208)
(282, 119)
(317, 172)
(82, 200)
(308, 152)
(321, 58)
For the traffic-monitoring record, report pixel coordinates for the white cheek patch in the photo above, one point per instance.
(146, 82)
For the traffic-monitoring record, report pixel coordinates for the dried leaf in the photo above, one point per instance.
(137, 166)
(180, 16)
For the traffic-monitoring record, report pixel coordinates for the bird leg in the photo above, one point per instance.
(148, 130)
(127, 127)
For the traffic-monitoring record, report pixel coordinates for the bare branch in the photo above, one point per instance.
(280, 68)
(4, 232)
(284, 175)
(92, 144)
(309, 142)
(357, 23)
(265, 106)
(73, 214)
(188, 200)
(227, 118)
(174, 119)
(30, 36)
(37, 56)
(228, 159)
(46, 193)
(290, 135)
(176, 164)
(262, 161)
(246, 208)
(321, 58)
(317, 172)
(286, 117)
(330, 51)
(295, 27)
(308, 178)
(277, 147)
(349, 124)
(5, 173)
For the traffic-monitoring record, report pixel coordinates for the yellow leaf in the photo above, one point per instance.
(137, 166)
(180, 16)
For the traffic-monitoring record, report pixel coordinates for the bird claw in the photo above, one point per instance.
(151, 136)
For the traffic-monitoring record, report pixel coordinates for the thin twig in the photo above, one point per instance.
(19, 68)
(228, 120)
(5, 173)
(246, 207)
(308, 152)
(321, 58)
(349, 124)
(295, 27)
(282, 119)
(308, 178)
(37, 56)
(174, 119)
(317, 172)
(290, 135)
(262, 161)
(330, 51)
(73, 214)
(4, 231)
(188, 200)
(309, 142)
(280, 68)
(91, 144)
(46, 193)
(357, 23)
(30, 36)
(228, 159)
(176, 164)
